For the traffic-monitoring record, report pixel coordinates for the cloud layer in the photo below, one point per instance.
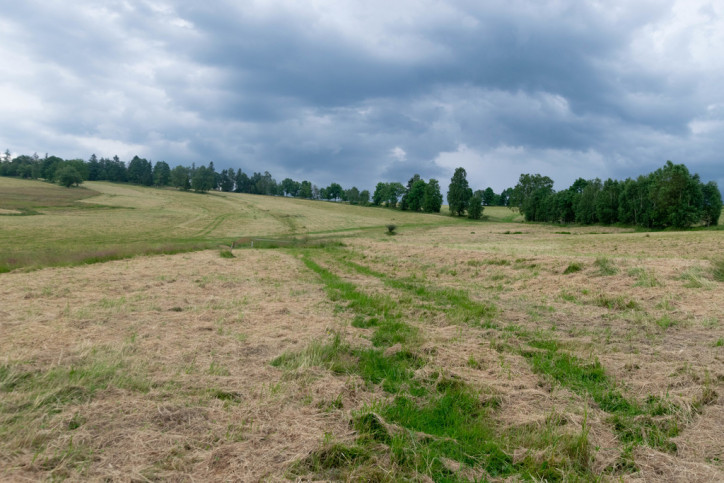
(359, 92)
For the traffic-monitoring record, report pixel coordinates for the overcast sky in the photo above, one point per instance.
(364, 91)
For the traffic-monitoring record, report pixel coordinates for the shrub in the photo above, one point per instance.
(572, 268)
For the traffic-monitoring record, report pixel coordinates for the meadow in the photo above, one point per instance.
(450, 351)
(105, 221)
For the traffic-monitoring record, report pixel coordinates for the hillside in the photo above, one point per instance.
(105, 220)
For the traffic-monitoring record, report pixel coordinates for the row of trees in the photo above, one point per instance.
(462, 199)
(418, 195)
(139, 170)
(667, 197)
(144, 172)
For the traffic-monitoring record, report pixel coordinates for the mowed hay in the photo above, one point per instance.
(656, 340)
(194, 334)
(159, 368)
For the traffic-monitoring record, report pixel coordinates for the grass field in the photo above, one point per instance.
(105, 221)
(451, 351)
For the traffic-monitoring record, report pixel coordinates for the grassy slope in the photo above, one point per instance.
(122, 220)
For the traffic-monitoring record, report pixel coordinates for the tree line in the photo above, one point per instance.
(140, 171)
(424, 197)
(668, 197)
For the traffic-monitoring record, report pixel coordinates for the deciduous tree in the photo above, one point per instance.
(68, 176)
(394, 191)
(202, 180)
(475, 207)
(530, 194)
(711, 204)
(489, 197)
(416, 195)
(305, 190)
(380, 194)
(161, 174)
(459, 193)
(180, 178)
(676, 197)
(432, 199)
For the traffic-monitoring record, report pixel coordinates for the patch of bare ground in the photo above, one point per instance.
(197, 333)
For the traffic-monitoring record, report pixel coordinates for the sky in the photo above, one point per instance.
(358, 92)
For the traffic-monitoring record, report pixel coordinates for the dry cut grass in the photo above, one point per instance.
(157, 368)
(470, 351)
(630, 306)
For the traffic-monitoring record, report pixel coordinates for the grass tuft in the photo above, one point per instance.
(644, 278)
(615, 303)
(634, 423)
(605, 266)
(226, 253)
(317, 353)
(361, 322)
(573, 268)
(717, 270)
(333, 461)
(553, 449)
(31, 401)
(695, 277)
(666, 322)
(455, 303)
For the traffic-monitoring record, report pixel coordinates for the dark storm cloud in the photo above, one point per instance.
(358, 92)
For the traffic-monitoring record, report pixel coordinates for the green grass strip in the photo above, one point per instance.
(633, 422)
(358, 302)
(456, 303)
(435, 427)
(454, 419)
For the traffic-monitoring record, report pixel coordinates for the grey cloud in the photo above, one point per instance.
(326, 92)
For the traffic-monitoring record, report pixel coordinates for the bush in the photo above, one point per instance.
(68, 176)
(391, 229)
